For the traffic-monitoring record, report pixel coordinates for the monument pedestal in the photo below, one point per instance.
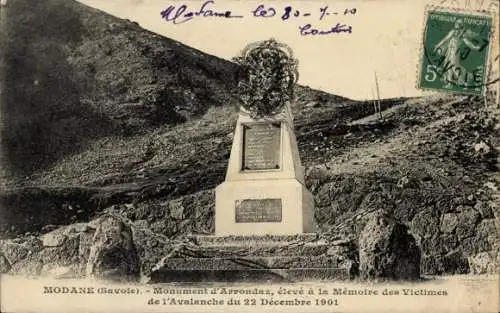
(258, 207)
(264, 191)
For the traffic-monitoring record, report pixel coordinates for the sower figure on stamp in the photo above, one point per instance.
(449, 48)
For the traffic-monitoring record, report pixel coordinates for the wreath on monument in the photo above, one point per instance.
(266, 79)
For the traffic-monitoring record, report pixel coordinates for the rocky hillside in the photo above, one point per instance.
(82, 75)
(429, 164)
(100, 116)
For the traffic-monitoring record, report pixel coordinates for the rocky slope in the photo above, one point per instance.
(82, 75)
(433, 170)
(106, 118)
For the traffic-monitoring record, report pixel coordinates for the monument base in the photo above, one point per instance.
(257, 258)
(263, 206)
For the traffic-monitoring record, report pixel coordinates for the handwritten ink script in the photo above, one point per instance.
(184, 13)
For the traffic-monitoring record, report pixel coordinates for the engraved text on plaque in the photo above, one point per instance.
(261, 146)
(258, 210)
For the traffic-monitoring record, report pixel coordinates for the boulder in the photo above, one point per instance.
(4, 264)
(53, 239)
(455, 262)
(467, 220)
(387, 250)
(102, 248)
(449, 222)
(482, 263)
(487, 231)
(42, 262)
(449, 242)
(484, 238)
(14, 252)
(426, 223)
(482, 148)
(484, 208)
(113, 255)
(176, 209)
(150, 247)
(432, 265)
(433, 245)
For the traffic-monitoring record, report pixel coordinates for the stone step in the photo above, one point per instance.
(224, 251)
(244, 263)
(251, 275)
(253, 240)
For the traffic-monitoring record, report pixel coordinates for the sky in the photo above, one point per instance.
(386, 37)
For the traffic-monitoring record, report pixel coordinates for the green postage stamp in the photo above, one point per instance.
(455, 52)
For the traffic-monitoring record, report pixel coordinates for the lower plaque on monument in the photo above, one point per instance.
(258, 210)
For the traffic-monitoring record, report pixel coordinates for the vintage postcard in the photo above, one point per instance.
(249, 156)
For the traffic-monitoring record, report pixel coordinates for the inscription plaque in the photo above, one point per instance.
(258, 210)
(261, 146)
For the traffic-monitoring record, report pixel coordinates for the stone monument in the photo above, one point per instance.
(264, 215)
(264, 191)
